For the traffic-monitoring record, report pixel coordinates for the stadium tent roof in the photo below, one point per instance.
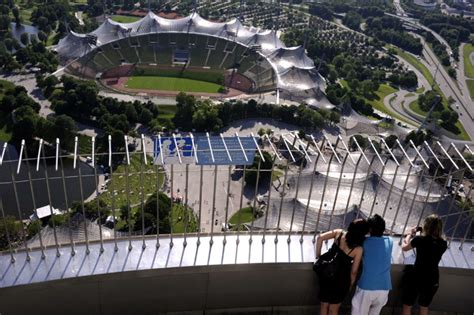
(294, 69)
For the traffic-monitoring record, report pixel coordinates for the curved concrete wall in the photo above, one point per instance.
(264, 288)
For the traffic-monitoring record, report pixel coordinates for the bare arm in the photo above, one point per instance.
(406, 246)
(356, 264)
(325, 236)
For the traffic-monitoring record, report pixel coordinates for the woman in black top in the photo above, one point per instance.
(349, 245)
(423, 280)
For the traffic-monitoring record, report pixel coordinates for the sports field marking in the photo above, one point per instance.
(171, 84)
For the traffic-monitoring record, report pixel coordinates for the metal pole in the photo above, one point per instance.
(157, 206)
(255, 200)
(369, 170)
(94, 165)
(465, 234)
(401, 197)
(227, 204)
(186, 206)
(459, 218)
(411, 207)
(268, 199)
(284, 184)
(33, 198)
(454, 197)
(7, 233)
(83, 210)
(323, 193)
(20, 215)
(350, 190)
(384, 166)
(240, 207)
(391, 189)
(112, 190)
(310, 191)
(129, 209)
(66, 203)
(48, 191)
(296, 198)
(142, 199)
(171, 205)
(200, 206)
(213, 210)
(337, 190)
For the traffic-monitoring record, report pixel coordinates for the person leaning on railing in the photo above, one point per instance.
(422, 280)
(375, 282)
(345, 257)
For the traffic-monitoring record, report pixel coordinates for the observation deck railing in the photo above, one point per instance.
(297, 188)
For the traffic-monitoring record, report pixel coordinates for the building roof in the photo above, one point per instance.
(294, 69)
(44, 212)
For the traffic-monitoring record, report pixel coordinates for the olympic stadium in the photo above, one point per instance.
(231, 58)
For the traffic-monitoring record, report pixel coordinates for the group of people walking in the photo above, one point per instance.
(364, 247)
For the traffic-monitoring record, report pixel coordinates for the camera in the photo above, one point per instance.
(419, 229)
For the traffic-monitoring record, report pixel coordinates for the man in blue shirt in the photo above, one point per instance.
(375, 283)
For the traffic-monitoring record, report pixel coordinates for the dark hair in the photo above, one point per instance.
(356, 232)
(376, 225)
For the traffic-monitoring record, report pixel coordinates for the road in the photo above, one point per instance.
(450, 89)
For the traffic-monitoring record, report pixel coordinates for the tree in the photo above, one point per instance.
(16, 15)
(265, 167)
(42, 36)
(362, 141)
(163, 207)
(205, 117)
(145, 116)
(391, 140)
(24, 39)
(10, 228)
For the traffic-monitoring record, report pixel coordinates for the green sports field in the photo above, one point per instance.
(171, 84)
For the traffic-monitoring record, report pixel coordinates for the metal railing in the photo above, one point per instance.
(310, 186)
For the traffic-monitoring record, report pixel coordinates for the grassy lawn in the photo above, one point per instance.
(420, 90)
(468, 66)
(171, 84)
(409, 95)
(470, 86)
(414, 106)
(462, 132)
(118, 183)
(377, 101)
(179, 219)
(125, 18)
(246, 215)
(84, 145)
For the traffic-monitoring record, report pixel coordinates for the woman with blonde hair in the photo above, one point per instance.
(422, 281)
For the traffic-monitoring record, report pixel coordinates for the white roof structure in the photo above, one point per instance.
(44, 212)
(294, 70)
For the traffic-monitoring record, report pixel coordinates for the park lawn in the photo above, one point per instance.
(246, 215)
(125, 18)
(468, 66)
(378, 104)
(167, 111)
(180, 222)
(420, 90)
(470, 86)
(414, 106)
(171, 84)
(119, 183)
(84, 145)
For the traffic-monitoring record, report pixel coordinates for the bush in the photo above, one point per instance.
(34, 228)
(57, 219)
